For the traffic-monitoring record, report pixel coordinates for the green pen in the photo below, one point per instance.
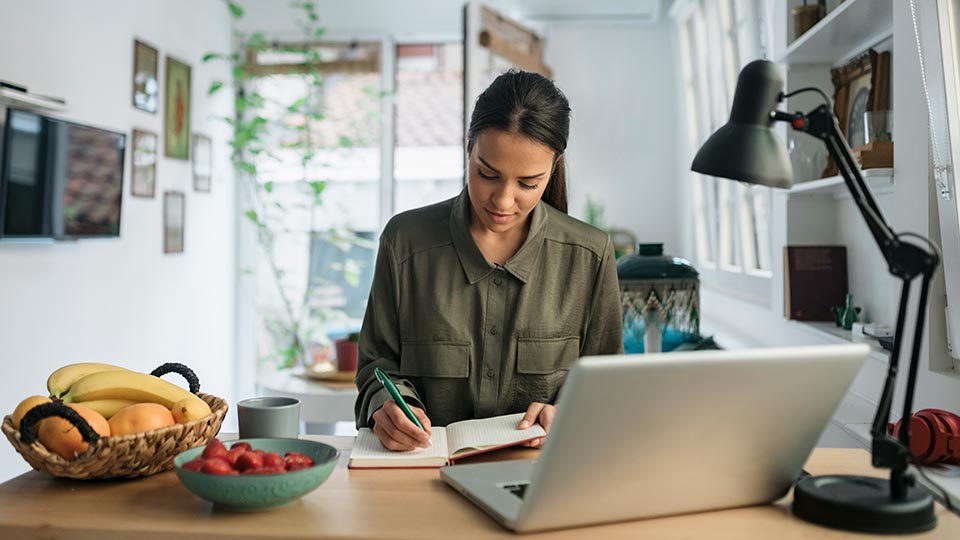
(395, 394)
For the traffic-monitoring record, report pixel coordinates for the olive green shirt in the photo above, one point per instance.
(463, 338)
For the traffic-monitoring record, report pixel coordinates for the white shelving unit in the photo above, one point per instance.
(853, 26)
(880, 182)
(831, 333)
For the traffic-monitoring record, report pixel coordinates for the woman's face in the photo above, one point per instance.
(507, 174)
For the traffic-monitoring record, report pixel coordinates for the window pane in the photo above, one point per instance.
(760, 200)
(323, 136)
(727, 235)
(428, 154)
(748, 232)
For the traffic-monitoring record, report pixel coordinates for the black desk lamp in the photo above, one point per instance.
(747, 149)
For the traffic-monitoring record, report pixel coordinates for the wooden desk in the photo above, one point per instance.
(398, 504)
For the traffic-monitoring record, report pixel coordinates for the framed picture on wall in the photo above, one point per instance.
(202, 162)
(146, 86)
(144, 164)
(176, 127)
(173, 221)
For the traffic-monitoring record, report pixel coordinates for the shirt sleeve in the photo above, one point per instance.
(380, 341)
(604, 333)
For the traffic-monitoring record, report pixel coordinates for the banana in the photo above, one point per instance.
(131, 385)
(108, 407)
(62, 379)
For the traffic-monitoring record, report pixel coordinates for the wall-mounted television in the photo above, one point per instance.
(59, 179)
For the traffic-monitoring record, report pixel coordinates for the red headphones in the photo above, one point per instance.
(934, 436)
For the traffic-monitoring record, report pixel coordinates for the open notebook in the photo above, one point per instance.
(457, 440)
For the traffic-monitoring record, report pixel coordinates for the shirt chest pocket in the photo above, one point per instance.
(436, 359)
(541, 356)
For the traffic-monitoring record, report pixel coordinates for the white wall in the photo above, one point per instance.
(120, 300)
(622, 151)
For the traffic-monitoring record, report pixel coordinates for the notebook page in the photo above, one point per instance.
(367, 446)
(490, 432)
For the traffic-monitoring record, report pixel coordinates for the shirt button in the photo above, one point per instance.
(498, 282)
(494, 330)
(490, 373)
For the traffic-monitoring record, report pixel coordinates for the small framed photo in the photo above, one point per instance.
(861, 85)
(176, 127)
(144, 164)
(173, 221)
(202, 162)
(146, 87)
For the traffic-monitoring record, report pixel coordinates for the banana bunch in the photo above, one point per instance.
(107, 389)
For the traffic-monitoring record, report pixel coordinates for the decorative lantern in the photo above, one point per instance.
(660, 297)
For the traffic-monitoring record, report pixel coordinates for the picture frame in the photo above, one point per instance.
(143, 165)
(146, 85)
(202, 163)
(861, 85)
(176, 128)
(173, 221)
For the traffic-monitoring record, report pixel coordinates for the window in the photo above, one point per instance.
(428, 151)
(321, 267)
(716, 38)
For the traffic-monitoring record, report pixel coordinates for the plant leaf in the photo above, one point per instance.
(214, 86)
(268, 187)
(235, 9)
(210, 56)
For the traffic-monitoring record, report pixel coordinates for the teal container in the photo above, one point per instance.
(660, 300)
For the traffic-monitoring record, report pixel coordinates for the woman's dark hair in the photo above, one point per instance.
(531, 105)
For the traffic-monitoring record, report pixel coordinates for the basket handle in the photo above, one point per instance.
(187, 373)
(28, 425)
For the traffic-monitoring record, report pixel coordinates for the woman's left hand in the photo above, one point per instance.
(538, 412)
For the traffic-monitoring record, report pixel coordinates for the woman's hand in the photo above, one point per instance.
(538, 412)
(396, 432)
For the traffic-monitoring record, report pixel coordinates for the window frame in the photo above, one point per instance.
(725, 235)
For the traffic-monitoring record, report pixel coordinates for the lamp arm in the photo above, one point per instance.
(905, 261)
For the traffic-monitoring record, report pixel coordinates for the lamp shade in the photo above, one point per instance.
(746, 147)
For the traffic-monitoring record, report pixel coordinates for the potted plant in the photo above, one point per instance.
(347, 352)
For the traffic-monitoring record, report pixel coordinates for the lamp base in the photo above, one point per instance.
(862, 504)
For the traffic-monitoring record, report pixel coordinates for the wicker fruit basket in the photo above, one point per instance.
(120, 456)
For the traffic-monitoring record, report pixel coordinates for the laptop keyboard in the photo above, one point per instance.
(517, 489)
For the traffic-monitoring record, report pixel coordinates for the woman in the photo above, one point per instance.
(480, 304)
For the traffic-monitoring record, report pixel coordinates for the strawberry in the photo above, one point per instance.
(296, 457)
(215, 449)
(234, 453)
(264, 470)
(216, 466)
(249, 460)
(194, 464)
(273, 459)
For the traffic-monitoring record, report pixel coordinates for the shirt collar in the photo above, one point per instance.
(475, 266)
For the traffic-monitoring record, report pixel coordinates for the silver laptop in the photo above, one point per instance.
(661, 434)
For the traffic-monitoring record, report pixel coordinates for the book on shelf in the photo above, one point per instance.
(455, 441)
(814, 281)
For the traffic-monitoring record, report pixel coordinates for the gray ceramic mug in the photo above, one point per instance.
(269, 417)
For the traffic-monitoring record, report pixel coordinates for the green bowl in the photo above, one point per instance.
(261, 492)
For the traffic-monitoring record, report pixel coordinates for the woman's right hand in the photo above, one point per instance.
(396, 432)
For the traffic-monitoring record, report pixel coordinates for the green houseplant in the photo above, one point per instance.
(299, 320)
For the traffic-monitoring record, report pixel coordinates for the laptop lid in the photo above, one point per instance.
(642, 436)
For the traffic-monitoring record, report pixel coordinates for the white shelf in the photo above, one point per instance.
(829, 332)
(880, 181)
(852, 27)
(14, 98)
